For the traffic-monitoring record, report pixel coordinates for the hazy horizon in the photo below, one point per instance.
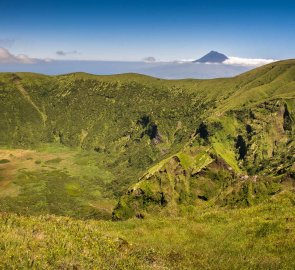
(134, 30)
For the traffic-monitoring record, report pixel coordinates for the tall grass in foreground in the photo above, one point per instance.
(259, 237)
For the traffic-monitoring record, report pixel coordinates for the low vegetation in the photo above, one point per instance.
(134, 172)
(259, 237)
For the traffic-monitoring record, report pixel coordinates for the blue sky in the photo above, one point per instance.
(132, 30)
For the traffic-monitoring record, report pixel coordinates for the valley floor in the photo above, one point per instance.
(55, 180)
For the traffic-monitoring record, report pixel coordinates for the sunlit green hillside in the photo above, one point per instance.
(134, 172)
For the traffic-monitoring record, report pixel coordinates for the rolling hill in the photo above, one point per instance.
(181, 153)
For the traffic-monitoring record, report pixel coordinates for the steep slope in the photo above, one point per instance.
(104, 130)
(243, 153)
(172, 142)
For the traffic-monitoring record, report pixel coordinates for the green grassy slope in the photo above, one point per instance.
(249, 142)
(130, 121)
(260, 237)
(126, 124)
(200, 173)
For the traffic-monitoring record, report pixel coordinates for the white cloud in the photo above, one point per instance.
(7, 57)
(47, 60)
(22, 58)
(238, 61)
(182, 61)
(234, 61)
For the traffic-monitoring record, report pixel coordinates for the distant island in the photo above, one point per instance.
(212, 57)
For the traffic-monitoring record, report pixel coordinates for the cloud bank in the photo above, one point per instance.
(232, 61)
(183, 61)
(238, 61)
(63, 53)
(6, 57)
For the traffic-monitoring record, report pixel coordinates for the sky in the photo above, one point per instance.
(129, 30)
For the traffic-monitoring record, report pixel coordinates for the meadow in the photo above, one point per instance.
(260, 237)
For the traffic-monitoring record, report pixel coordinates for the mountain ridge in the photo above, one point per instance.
(154, 191)
(130, 124)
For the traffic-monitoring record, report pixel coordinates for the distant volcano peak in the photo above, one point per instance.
(212, 57)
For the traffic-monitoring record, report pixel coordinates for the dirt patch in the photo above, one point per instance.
(21, 159)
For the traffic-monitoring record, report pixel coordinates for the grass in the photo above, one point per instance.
(186, 157)
(260, 237)
(55, 180)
